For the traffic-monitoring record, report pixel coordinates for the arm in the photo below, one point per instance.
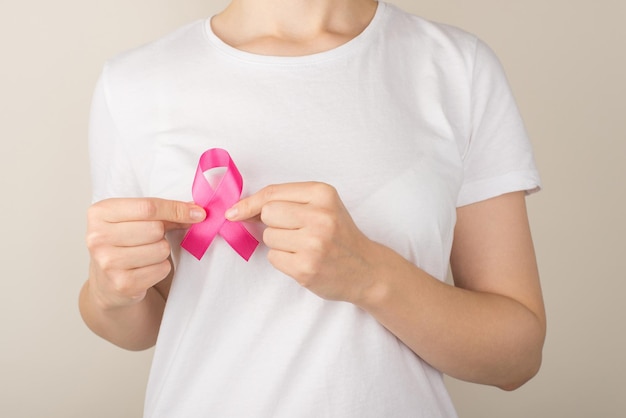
(133, 327)
(131, 270)
(489, 328)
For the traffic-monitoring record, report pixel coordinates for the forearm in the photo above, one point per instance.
(475, 336)
(492, 334)
(133, 327)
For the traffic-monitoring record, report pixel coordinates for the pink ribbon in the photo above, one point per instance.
(216, 202)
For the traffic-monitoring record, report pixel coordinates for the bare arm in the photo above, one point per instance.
(131, 270)
(133, 327)
(488, 329)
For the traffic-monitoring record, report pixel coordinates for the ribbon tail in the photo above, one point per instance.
(239, 238)
(198, 238)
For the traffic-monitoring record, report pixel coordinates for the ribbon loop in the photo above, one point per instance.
(216, 202)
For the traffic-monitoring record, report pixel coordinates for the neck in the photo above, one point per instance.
(292, 27)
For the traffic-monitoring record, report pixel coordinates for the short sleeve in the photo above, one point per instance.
(112, 173)
(498, 158)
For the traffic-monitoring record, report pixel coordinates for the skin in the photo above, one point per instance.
(488, 328)
(130, 270)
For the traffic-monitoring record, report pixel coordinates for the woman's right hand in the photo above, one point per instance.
(129, 252)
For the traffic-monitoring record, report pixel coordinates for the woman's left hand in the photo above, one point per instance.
(311, 237)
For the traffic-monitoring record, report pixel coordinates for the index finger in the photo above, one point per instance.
(251, 206)
(151, 209)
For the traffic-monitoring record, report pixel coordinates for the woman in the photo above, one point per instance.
(376, 149)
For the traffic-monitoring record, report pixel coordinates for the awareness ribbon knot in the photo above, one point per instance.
(216, 202)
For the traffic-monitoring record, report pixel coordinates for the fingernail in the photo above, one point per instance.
(231, 213)
(197, 214)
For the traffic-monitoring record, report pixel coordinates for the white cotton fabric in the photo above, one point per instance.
(408, 121)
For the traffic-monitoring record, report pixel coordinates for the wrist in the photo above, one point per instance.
(104, 302)
(96, 299)
(374, 283)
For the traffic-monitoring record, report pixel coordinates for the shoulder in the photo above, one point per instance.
(141, 81)
(178, 44)
(156, 60)
(442, 37)
(452, 48)
(450, 53)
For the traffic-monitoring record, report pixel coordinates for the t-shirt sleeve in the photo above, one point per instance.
(498, 158)
(112, 172)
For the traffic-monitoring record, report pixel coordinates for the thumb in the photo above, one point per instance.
(183, 215)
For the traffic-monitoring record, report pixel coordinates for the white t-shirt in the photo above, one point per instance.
(408, 121)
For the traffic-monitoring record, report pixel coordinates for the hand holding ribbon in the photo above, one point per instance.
(311, 237)
(216, 202)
